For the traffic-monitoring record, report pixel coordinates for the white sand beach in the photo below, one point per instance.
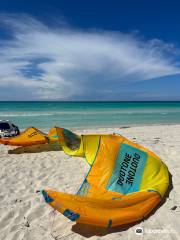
(25, 216)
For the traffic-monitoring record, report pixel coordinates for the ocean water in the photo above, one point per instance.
(45, 115)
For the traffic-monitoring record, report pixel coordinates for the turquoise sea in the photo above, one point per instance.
(45, 115)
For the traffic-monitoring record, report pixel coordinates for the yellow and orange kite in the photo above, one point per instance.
(125, 183)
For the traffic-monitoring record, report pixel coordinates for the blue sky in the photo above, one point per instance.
(89, 50)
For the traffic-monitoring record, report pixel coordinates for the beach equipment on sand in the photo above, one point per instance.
(29, 137)
(125, 183)
(33, 136)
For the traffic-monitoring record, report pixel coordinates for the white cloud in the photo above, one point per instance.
(62, 63)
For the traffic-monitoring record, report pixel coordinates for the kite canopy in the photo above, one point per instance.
(125, 183)
(29, 137)
(33, 136)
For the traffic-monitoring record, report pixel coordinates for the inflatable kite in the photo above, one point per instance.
(29, 137)
(125, 183)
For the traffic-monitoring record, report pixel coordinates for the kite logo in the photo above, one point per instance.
(32, 134)
(128, 170)
(132, 169)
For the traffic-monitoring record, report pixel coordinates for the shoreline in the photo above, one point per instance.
(83, 128)
(88, 115)
(126, 126)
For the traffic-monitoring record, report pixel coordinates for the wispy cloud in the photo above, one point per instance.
(63, 63)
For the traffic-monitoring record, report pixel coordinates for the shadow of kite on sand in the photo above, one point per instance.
(38, 148)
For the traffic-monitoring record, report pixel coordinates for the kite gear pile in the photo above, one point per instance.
(125, 183)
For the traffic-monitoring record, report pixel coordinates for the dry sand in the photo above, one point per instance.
(25, 216)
